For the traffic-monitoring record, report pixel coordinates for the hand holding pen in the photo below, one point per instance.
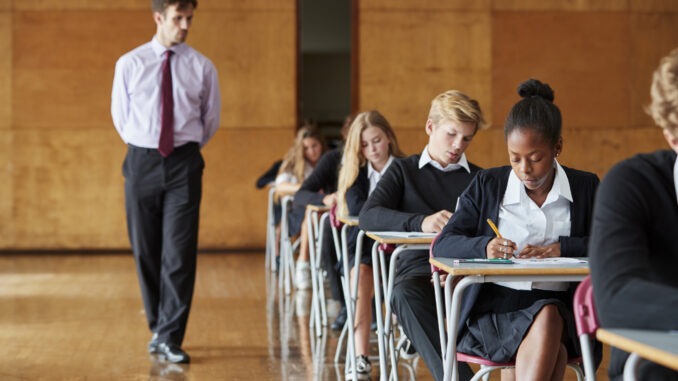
(499, 247)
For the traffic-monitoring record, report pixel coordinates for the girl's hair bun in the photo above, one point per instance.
(535, 88)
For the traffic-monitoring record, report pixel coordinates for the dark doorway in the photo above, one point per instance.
(324, 76)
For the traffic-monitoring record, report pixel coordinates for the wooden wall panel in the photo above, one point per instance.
(66, 82)
(6, 168)
(64, 157)
(408, 57)
(245, 66)
(584, 56)
(43, 5)
(598, 150)
(68, 189)
(654, 5)
(560, 5)
(61, 156)
(653, 35)
(7, 173)
(428, 5)
(5, 68)
(233, 211)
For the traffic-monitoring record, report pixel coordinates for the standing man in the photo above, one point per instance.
(165, 106)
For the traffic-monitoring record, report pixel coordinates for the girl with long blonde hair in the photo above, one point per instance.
(370, 148)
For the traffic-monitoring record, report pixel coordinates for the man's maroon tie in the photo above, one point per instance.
(166, 144)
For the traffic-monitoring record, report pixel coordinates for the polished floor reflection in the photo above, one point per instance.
(80, 317)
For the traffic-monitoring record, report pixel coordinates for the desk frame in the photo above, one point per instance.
(641, 344)
(482, 273)
(384, 332)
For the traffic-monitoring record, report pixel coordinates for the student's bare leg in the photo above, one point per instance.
(277, 240)
(508, 375)
(538, 356)
(561, 365)
(303, 245)
(363, 311)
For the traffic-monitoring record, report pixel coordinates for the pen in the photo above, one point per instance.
(494, 227)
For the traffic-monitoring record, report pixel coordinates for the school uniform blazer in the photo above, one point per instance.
(356, 195)
(405, 195)
(634, 251)
(321, 182)
(467, 233)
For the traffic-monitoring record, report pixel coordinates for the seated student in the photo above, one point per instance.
(297, 165)
(319, 189)
(543, 210)
(417, 194)
(268, 177)
(370, 148)
(633, 249)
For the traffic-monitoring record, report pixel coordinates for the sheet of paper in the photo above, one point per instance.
(548, 261)
(405, 234)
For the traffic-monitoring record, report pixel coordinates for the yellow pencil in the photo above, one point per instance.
(494, 227)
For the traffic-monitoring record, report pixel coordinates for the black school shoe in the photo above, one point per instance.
(173, 353)
(153, 344)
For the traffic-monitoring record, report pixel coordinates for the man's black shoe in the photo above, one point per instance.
(153, 344)
(173, 353)
(339, 322)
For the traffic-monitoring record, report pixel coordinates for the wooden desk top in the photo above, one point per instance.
(317, 208)
(349, 220)
(402, 238)
(279, 194)
(448, 265)
(660, 347)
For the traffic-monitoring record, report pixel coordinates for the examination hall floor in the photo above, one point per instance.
(66, 316)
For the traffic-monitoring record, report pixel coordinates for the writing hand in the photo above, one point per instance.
(435, 222)
(548, 251)
(500, 248)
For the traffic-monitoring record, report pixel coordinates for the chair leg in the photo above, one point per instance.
(340, 345)
(579, 373)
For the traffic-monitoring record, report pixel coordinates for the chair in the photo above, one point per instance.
(347, 331)
(587, 324)
(315, 225)
(271, 242)
(486, 366)
(287, 248)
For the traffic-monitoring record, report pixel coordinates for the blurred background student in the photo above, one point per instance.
(297, 165)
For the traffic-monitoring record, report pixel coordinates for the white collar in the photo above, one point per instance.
(425, 158)
(561, 187)
(371, 170)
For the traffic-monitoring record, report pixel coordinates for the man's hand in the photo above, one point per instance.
(436, 222)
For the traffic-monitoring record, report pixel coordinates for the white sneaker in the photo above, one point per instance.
(407, 351)
(302, 278)
(363, 369)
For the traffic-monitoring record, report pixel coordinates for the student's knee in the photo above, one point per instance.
(549, 318)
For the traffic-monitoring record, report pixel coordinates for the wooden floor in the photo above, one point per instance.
(80, 317)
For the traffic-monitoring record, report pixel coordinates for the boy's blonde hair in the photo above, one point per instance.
(664, 93)
(456, 106)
